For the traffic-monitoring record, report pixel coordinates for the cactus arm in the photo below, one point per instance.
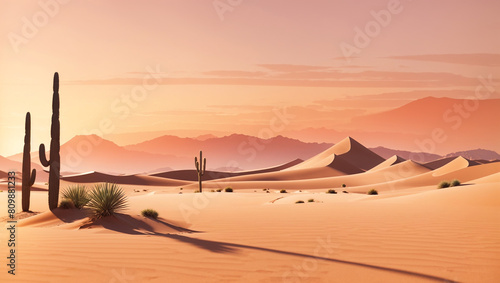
(43, 159)
(33, 177)
(204, 166)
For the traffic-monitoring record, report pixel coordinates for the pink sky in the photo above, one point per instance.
(226, 72)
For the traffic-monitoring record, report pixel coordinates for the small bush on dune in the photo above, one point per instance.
(197, 192)
(331, 191)
(283, 191)
(228, 190)
(106, 199)
(311, 200)
(299, 201)
(151, 213)
(77, 194)
(219, 190)
(372, 192)
(343, 185)
(443, 184)
(455, 183)
(345, 192)
(66, 204)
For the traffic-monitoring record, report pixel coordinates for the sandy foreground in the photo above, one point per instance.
(427, 236)
(410, 232)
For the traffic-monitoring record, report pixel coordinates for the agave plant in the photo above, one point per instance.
(77, 194)
(106, 199)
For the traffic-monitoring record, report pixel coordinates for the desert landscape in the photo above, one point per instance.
(312, 221)
(249, 141)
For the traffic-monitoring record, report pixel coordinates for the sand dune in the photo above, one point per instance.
(410, 232)
(347, 156)
(432, 236)
(388, 162)
(192, 175)
(493, 178)
(454, 165)
(96, 177)
(3, 175)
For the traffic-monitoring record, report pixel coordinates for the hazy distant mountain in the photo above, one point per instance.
(446, 124)
(236, 150)
(7, 164)
(476, 154)
(415, 156)
(93, 153)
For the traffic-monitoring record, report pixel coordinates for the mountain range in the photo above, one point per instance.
(166, 153)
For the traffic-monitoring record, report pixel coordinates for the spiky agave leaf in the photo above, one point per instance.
(77, 194)
(106, 199)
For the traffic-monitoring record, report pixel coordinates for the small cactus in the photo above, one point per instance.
(55, 146)
(28, 179)
(200, 168)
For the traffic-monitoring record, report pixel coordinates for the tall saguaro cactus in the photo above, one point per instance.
(200, 167)
(55, 158)
(28, 177)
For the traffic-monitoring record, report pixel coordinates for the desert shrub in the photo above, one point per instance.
(455, 183)
(310, 200)
(212, 191)
(77, 194)
(151, 213)
(219, 190)
(228, 190)
(331, 191)
(343, 185)
(197, 192)
(181, 189)
(372, 192)
(283, 191)
(443, 184)
(345, 192)
(299, 201)
(66, 204)
(106, 199)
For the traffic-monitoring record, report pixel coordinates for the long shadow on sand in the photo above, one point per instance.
(127, 224)
(134, 226)
(71, 215)
(222, 247)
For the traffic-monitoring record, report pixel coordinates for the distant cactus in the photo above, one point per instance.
(55, 158)
(200, 168)
(28, 179)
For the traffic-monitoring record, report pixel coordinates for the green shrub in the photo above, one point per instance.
(299, 201)
(77, 194)
(310, 200)
(66, 204)
(443, 184)
(151, 213)
(106, 199)
(372, 192)
(283, 191)
(331, 191)
(228, 190)
(455, 183)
